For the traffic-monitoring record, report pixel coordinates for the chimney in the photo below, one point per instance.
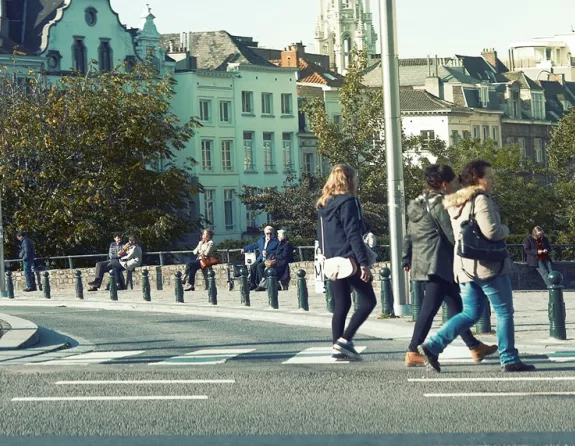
(490, 55)
(557, 77)
(434, 86)
(291, 55)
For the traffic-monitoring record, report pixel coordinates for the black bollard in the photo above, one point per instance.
(9, 285)
(417, 293)
(146, 286)
(79, 287)
(179, 288)
(212, 290)
(113, 285)
(386, 293)
(46, 285)
(159, 279)
(302, 296)
(271, 274)
(244, 287)
(329, 303)
(484, 323)
(556, 306)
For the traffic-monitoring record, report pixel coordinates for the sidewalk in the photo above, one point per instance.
(531, 316)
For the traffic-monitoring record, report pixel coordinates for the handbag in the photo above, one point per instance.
(472, 244)
(208, 261)
(336, 267)
(270, 262)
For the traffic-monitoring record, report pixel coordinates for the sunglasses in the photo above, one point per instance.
(268, 233)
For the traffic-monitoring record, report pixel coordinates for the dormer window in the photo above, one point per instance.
(537, 105)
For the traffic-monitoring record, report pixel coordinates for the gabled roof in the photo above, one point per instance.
(414, 74)
(311, 73)
(480, 69)
(214, 50)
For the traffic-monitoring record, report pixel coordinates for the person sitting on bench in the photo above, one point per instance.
(130, 258)
(204, 250)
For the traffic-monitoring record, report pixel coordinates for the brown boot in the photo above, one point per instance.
(481, 351)
(414, 359)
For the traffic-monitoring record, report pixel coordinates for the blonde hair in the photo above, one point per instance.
(341, 180)
(536, 231)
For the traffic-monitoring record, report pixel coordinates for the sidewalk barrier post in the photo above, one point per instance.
(355, 299)
(484, 323)
(113, 285)
(272, 287)
(302, 296)
(329, 296)
(146, 286)
(556, 308)
(79, 287)
(445, 313)
(417, 292)
(386, 293)
(212, 290)
(179, 288)
(244, 287)
(9, 285)
(159, 279)
(46, 285)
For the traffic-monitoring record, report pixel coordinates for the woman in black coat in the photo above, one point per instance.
(537, 250)
(284, 256)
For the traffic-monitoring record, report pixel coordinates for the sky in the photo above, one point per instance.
(425, 27)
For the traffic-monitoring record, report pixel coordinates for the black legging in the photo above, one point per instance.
(341, 289)
(438, 290)
(191, 269)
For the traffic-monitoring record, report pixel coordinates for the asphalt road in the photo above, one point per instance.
(159, 389)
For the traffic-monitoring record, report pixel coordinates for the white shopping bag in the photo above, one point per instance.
(250, 258)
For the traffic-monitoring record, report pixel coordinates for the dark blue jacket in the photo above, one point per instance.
(342, 229)
(259, 245)
(27, 249)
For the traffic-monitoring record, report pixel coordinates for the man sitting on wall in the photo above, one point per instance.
(265, 245)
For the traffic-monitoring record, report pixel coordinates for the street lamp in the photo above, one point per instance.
(392, 119)
(3, 291)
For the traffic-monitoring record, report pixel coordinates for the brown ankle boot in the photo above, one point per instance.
(414, 359)
(479, 353)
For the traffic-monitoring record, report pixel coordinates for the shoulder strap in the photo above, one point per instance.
(322, 237)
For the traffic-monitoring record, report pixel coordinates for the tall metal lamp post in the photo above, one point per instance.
(3, 291)
(395, 186)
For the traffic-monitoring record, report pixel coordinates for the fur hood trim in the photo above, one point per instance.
(461, 197)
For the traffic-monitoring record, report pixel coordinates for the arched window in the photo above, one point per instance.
(346, 51)
(105, 56)
(80, 57)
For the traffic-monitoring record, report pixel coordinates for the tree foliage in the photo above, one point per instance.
(88, 155)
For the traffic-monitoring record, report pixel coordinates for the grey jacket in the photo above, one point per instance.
(132, 259)
(427, 249)
(487, 215)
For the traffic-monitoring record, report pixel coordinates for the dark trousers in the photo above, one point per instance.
(29, 275)
(341, 289)
(254, 272)
(436, 292)
(191, 270)
(105, 267)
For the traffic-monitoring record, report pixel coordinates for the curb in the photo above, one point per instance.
(22, 333)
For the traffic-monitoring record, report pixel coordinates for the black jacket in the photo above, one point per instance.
(27, 249)
(531, 247)
(427, 249)
(342, 229)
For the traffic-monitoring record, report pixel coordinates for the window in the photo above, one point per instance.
(495, 134)
(308, 163)
(205, 110)
(538, 145)
(229, 208)
(227, 155)
(466, 134)
(105, 56)
(249, 151)
(209, 205)
(287, 104)
(514, 104)
(522, 149)
(226, 111)
(337, 121)
(426, 137)
(267, 103)
(287, 150)
(207, 154)
(510, 141)
(250, 218)
(247, 102)
(485, 132)
(537, 106)
(80, 60)
(455, 136)
(476, 131)
(268, 151)
(91, 16)
(484, 96)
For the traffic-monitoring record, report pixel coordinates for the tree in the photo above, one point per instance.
(89, 155)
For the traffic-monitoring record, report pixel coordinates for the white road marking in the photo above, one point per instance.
(317, 355)
(148, 381)
(204, 357)
(526, 378)
(91, 358)
(492, 394)
(111, 398)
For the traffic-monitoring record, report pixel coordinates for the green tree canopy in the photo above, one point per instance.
(89, 155)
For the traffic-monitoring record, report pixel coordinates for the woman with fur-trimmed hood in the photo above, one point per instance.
(480, 282)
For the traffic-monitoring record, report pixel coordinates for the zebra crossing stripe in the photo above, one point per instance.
(317, 355)
(561, 356)
(205, 357)
(91, 358)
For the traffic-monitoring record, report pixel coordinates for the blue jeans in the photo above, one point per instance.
(30, 280)
(544, 267)
(475, 296)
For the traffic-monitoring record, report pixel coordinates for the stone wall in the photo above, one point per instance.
(522, 277)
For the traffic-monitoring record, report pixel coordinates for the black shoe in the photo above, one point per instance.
(431, 360)
(338, 356)
(252, 287)
(346, 347)
(190, 288)
(93, 288)
(260, 288)
(94, 283)
(518, 367)
(28, 290)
